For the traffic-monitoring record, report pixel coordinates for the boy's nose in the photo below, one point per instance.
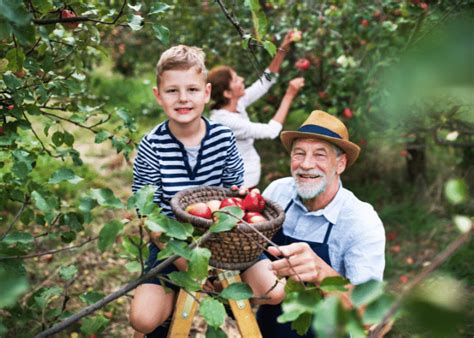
(183, 97)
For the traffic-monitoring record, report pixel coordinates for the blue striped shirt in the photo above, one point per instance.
(162, 161)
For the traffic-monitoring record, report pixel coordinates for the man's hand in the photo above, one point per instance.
(300, 263)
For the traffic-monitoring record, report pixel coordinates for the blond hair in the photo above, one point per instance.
(181, 57)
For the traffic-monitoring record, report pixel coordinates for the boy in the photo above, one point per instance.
(184, 151)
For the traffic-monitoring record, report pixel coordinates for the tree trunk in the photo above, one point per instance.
(416, 160)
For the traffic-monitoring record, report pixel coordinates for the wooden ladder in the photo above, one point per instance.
(186, 307)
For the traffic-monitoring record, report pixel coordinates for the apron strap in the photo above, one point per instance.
(328, 232)
(288, 206)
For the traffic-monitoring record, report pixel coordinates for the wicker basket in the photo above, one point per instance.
(236, 249)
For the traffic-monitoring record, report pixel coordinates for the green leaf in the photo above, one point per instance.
(15, 11)
(47, 295)
(133, 267)
(299, 302)
(108, 234)
(246, 40)
(102, 136)
(302, 324)
(40, 202)
(91, 325)
(5, 32)
(237, 291)
(174, 247)
(375, 311)
(64, 174)
(269, 47)
(327, 318)
(225, 222)
(367, 292)
(13, 282)
(213, 332)
(158, 8)
(172, 228)
(18, 237)
(135, 22)
(184, 280)
(199, 263)
(58, 138)
(143, 200)
(162, 33)
(337, 283)
(68, 272)
(91, 297)
(15, 58)
(456, 191)
(213, 312)
(106, 198)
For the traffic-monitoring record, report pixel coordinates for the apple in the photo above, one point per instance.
(296, 35)
(403, 279)
(364, 22)
(423, 6)
(254, 202)
(234, 188)
(66, 13)
(254, 217)
(322, 94)
(231, 201)
(20, 74)
(377, 13)
(199, 209)
(213, 205)
(347, 113)
(11, 107)
(302, 64)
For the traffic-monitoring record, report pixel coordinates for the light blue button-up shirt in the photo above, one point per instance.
(357, 239)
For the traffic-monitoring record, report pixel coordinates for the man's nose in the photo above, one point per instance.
(308, 162)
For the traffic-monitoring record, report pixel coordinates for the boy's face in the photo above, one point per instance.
(183, 95)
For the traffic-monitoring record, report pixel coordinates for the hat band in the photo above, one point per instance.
(311, 128)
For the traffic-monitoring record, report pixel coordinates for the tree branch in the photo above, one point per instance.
(437, 261)
(17, 216)
(117, 294)
(50, 251)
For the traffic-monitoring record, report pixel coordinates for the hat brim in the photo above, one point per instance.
(352, 150)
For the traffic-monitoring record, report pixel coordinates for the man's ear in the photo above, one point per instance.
(156, 93)
(341, 164)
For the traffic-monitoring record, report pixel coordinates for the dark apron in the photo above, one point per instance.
(267, 314)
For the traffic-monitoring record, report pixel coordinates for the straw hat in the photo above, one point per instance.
(321, 125)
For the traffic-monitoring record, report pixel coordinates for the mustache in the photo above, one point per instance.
(312, 172)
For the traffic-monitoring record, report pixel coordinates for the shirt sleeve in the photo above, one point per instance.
(258, 88)
(233, 173)
(146, 170)
(365, 259)
(245, 129)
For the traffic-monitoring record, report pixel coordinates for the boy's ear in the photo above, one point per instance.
(227, 94)
(207, 92)
(156, 93)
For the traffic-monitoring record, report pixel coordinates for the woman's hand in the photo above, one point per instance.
(295, 85)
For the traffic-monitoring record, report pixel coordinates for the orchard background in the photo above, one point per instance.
(75, 98)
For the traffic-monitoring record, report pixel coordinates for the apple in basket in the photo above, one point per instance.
(231, 202)
(214, 205)
(199, 209)
(254, 201)
(254, 217)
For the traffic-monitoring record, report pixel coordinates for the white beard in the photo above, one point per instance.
(310, 190)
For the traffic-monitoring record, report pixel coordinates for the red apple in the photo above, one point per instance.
(403, 279)
(213, 205)
(11, 107)
(404, 153)
(302, 64)
(66, 13)
(199, 209)
(20, 74)
(234, 188)
(322, 94)
(347, 113)
(254, 202)
(230, 202)
(254, 217)
(364, 22)
(424, 6)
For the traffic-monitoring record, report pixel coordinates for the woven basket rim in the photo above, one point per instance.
(206, 223)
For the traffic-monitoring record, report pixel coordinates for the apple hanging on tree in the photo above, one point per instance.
(296, 35)
(347, 113)
(66, 13)
(302, 64)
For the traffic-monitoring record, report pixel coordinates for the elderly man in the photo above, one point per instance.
(327, 231)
